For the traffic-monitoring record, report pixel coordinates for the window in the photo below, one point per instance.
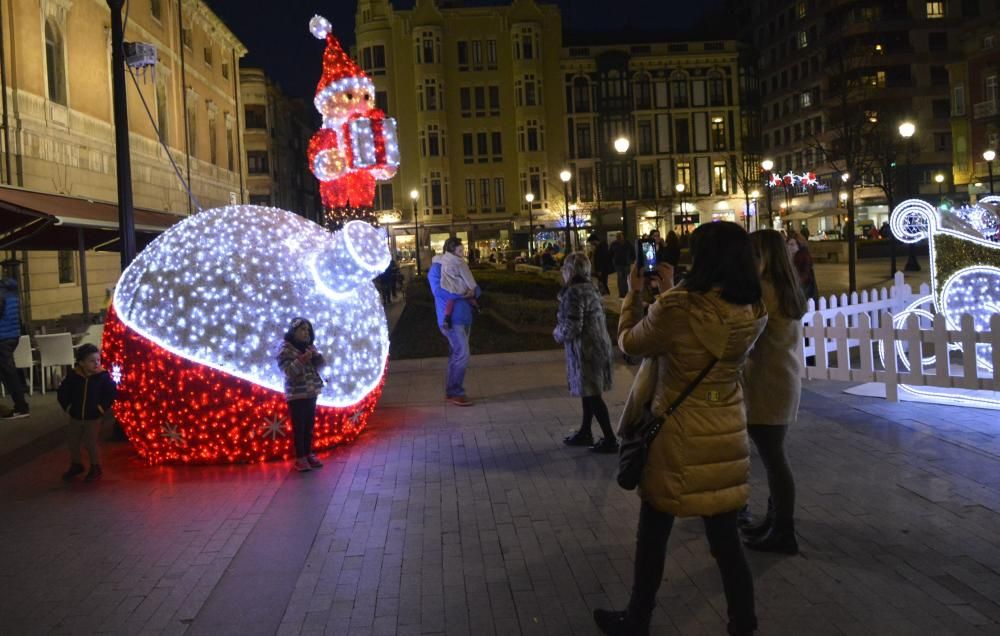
(990, 88)
(684, 175)
(647, 182)
(378, 60)
(942, 141)
(383, 196)
(435, 142)
(161, 110)
(958, 100)
(225, 70)
(382, 101)
(497, 146)
(494, 101)
(645, 130)
(156, 9)
(499, 198)
(427, 48)
(55, 63)
(678, 93)
(581, 95)
(527, 50)
(479, 92)
(482, 147)
(718, 134)
(877, 80)
(935, 9)
(465, 101)
(463, 56)
(988, 42)
(682, 140)
(583, 143)
(805, 99)
(213, 146)
(484, 195)
(937, 41)
(643, 92)
(533, 139)
(477, 55)
(256, 116)
(491, 54)
(229, 147)
(208, 55)
(586, 184)
(720, 179)
(437, 193)
(467, 150)
(939, 76)
(260, 199)
(531, 97)
(802, 40)
(470, 194)
(67, 272)
(428, 98)
(940, 108)
(187, 38)
(257, 161)
(801, 8)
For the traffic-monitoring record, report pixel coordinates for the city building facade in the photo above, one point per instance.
(277, 135)
(58, 106)
(899, 53)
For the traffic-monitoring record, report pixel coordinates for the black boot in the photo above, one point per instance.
(606, 445)
(620, 624)
(758, 529)
(579, 438)
(780, 538)
(94, 473)
(74, 470)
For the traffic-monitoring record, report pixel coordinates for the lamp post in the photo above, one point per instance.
(621, 147)
(530, 197)
(906, 130)
(754, 195)
(123, 162)
(565, 176)
(989, 156)
(576, 238)
(680, 194)
(767, 165)
(939, 179)
(414, 195)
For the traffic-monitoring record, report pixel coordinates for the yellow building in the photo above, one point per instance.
(477, 96)
(61, 134)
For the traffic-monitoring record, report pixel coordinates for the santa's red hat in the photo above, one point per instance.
(340, 72)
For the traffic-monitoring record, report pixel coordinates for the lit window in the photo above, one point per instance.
(803, 39)
(935, 9)
(805, 99)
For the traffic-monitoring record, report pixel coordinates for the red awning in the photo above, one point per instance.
(41, 221)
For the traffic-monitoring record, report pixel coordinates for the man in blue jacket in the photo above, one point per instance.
(458, 333)
(10, 333)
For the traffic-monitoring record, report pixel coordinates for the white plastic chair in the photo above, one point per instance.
(92, 336)
(23, 360)
(55, 350)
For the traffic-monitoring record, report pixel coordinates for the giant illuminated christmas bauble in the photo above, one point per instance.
(197, 320)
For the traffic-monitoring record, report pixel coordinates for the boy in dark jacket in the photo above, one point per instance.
(86, 394)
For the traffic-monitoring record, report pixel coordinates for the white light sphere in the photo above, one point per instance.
(320, 27)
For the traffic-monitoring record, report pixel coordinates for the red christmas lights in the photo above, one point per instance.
(175, 410)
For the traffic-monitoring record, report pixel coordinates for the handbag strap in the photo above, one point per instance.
(680, 400)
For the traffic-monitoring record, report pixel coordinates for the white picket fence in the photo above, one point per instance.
(868, 348)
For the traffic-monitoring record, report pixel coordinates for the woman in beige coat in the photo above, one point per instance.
(772, 385)
(699, 462)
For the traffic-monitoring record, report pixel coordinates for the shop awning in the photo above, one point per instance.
(41, 221)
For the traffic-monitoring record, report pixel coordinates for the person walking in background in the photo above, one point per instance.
(582, 329)
(798, 250)
(622, 257)
(86, 395)
(300, 362)
(456, 278)
(772, 386)
(601, 263)
(10, 335)
(461, 325)
(670, 251)
(698, 464)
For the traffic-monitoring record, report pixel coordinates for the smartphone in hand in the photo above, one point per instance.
(646, 256)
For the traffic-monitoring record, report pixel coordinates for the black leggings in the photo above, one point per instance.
(723, 540)
(303, 414)
(594, 406)
(770, 443)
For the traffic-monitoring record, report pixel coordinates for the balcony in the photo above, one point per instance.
(984, 109)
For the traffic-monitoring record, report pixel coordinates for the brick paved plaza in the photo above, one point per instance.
(442, 520)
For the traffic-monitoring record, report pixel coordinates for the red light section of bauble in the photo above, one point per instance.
(174, 410)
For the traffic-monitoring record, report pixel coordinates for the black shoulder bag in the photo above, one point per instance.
(634, 447)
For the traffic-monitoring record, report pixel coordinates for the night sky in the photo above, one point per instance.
(277, 35)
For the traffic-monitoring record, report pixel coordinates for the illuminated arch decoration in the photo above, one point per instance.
(197, 319)
(964, 249)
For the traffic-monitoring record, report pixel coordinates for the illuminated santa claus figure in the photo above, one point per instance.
(357, 144)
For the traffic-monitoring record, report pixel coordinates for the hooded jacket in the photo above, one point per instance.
(699, 463)
(86, 397)
(772, 378)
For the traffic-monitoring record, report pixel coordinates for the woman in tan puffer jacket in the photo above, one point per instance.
(772, 386)
(699, 462)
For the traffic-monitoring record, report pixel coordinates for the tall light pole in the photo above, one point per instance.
(414, 195)
(123, 161)
(755, 194)
(939, 179)
(576, 239)
(680, 194)
(767, 165)
(989, 156)
(565, 176)
(530, 197)
(906, 130)
(621, 147)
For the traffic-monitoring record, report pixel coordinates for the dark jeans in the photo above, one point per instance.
(9, 375)
(458, 359)
(303, 414)
(724, 542)
(770, 443)
(594, 406)
(622, 271)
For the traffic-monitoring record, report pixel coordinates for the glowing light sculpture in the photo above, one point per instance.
(197, 319)
(965, 276)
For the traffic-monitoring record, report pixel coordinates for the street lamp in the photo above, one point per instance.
(989, 156)
(414, 195)
(530, 197)
(939, 179)
(565, 176)
(906, 130)
(680, 193)
(767, 165)
(621, 147)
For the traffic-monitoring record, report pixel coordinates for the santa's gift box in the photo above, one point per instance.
(373, 142)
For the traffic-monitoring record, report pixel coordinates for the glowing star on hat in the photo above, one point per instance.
(198, 317)
(357, 143)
